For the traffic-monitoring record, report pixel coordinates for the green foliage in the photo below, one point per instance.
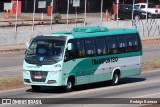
(57, 17)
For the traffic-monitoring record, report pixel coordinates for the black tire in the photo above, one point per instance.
(137, 17)
(36, 88)
(70, 85)
(115, 79)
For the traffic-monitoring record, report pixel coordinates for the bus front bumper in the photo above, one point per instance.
(43, 79)
(48, 83)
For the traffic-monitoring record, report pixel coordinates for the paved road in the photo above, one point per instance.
(151, 53)
(145, 85)
(11, 66)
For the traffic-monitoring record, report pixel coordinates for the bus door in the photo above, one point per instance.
(76, 63)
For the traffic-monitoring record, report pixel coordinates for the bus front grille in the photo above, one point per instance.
(38, 76)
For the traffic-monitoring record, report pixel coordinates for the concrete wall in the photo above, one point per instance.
(8, 36)
(146, 28)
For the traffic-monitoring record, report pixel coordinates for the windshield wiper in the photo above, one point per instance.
(52, 59)
(32, 55)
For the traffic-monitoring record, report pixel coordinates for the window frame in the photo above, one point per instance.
(94, 48)
(139, 47)
(115, 49)
(104, 40)
(126, 45)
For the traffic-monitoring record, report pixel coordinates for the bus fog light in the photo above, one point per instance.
(27, 81)
(52, 81)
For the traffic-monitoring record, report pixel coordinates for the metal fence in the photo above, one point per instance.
(41, 18)
(41, 21)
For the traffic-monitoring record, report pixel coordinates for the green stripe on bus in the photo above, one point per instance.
(89, 65)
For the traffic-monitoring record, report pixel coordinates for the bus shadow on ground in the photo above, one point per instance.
(57, 90)
(108, 83)
(131, 80)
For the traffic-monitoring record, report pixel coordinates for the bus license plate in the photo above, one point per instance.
(38, 77)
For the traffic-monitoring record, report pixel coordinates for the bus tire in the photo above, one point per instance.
(36, 88)
(115, 79)
(70, 85)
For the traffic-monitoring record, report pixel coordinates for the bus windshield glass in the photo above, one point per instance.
(45, 51)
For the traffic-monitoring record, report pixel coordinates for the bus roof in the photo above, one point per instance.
(82, 32)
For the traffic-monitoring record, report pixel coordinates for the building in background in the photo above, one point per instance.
(61, 5)
(28, 5)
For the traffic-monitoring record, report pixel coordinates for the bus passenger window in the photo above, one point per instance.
(90, 47)
(121, 43)
(132, 43)
(100, 46)
(80, 46)
(111, 43)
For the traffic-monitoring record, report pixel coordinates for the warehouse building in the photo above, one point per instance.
(61, 5)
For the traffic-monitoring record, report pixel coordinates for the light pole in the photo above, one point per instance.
(67, 14)
(146, 11)
(33, 15)
(133, 11)
(16, 16)
(117, 11)
(51, 14)
(85, 13)
(101, 12)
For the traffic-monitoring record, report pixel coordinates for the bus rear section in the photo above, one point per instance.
(104, 55)
(88, 55)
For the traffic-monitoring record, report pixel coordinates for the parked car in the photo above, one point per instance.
(149, 8)
(125, 12)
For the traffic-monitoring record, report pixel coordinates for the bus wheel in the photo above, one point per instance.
(36, 88)
(70, 85)
(115, 79)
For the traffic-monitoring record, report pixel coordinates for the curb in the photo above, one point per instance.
(144, 38)
(12, 48)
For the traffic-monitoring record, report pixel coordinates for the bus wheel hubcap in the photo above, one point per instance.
(69, 85)
(116, 78)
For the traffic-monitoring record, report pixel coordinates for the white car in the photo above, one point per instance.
(148, 8)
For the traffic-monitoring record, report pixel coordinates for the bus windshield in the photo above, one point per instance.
(45, 51)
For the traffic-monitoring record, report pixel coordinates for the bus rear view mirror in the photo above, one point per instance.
(70, 46)
(27, 45)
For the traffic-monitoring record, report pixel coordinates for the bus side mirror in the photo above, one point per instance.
(27, 45)
(70, 46)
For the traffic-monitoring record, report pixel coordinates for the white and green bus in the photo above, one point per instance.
(82, 56)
